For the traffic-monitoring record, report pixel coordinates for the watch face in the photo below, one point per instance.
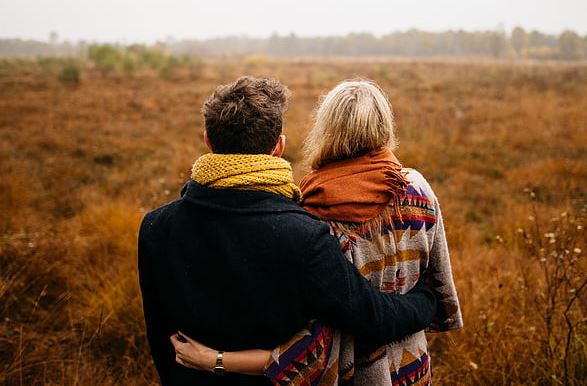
(218, 370)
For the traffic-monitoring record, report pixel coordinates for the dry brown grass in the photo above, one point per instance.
(81, 164)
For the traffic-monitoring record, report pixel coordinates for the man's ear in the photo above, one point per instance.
(279, 147)
(207, 141)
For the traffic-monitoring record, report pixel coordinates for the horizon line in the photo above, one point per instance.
(174, 39)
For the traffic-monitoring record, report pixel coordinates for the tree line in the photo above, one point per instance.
(518, 44)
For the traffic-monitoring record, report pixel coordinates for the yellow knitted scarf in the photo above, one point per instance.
(247, 172)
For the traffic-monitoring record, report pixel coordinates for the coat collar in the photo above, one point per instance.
(239, 201)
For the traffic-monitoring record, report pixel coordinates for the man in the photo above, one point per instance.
(235, 263)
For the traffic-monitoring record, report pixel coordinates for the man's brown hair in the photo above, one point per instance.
(245, 117)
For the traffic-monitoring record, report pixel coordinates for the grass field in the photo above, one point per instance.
(504, 146)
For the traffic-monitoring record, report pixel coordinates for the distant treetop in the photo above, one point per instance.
(412, 43)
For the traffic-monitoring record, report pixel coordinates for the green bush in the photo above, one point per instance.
(129, 64)
(169, 66)
(153, 58)
(109, 59)
(106, 58)
(51, 65)
(70, 74)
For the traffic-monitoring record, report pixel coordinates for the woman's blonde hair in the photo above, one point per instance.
(352, 119)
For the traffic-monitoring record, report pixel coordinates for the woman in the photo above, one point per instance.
(388, 222)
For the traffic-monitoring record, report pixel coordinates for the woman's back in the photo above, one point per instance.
(393, 252)
(387, 221)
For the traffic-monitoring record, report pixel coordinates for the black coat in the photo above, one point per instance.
(239, 269)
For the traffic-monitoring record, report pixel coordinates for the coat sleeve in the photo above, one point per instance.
(340, 296)
(157, 331)
(305, 356)
(440, 280)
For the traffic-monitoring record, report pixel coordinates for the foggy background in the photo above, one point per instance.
(304, 28)
(147, 21)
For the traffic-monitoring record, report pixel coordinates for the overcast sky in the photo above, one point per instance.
(149, 20)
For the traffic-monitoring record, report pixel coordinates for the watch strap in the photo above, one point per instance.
(219, 366)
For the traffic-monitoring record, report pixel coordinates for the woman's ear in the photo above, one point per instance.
(279, 147)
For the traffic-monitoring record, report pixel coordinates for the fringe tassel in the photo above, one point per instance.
(397, 184)
(375, 228)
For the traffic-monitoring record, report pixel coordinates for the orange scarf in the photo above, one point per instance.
(357, 189)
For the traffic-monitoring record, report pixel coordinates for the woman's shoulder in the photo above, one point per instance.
(418, 184)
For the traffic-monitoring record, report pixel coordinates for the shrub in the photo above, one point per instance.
(129, 64)
(557, 248)
(70, 74)
(51, 65)
(152, 58)
(168, 67)
(105, 57)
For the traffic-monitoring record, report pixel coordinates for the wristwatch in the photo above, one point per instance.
(219, 366)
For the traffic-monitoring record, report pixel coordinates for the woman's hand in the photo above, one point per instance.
(195, 355)
(192, 354)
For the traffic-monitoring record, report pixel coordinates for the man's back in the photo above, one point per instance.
(223, 266)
